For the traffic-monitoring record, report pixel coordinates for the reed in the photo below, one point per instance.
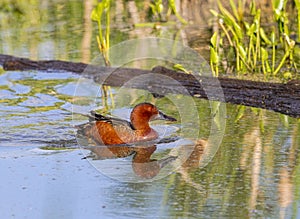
(248, 41)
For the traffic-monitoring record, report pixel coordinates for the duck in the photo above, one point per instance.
(106, 130)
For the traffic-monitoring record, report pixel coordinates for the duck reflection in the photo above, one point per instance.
(186, 157)
(142, 164)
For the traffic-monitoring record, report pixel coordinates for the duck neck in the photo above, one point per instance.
(140, 123)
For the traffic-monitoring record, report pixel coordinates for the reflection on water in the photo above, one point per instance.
(30, 105)
(63, 29)
(254, 173)
(142, 164)
(187, 156)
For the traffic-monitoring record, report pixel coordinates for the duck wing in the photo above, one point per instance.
(112, 120)
(87, 129)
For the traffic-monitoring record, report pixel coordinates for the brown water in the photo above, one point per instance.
(253, 173)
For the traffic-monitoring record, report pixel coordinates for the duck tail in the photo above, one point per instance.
(96, 117)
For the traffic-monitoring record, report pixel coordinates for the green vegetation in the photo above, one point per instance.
(245, 46)
(101, 13)
(159, 15)
(157, 9)
(55, 148)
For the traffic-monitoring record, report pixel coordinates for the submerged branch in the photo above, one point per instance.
(283, 98)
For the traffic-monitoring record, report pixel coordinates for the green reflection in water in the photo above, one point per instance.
(32, 111)
(254, 173)
(37, 87)
(50, 27)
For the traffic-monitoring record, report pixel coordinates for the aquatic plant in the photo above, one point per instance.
(214, 57)
(157, 9)
(297, 3)
(102, 13)
(245, 46)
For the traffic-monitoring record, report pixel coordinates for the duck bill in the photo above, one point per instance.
(163, 116)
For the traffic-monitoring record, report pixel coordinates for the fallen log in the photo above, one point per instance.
(283, 98)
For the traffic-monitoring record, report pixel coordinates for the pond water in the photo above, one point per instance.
(246, 162)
